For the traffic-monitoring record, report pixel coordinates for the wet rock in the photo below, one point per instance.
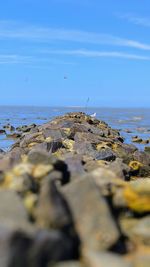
(147, 149)
(137, 139)
(9, 127)
(13, 136)
(2, 131)
(95, 226)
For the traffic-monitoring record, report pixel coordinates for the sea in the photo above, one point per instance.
(130, 122)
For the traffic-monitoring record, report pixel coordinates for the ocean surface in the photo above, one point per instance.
(135, 120)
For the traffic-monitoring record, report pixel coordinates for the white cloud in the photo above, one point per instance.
(143, 21)
(31, 33)
(97, 54)
(14, 59)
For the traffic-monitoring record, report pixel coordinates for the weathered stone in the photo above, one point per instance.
(14, 248)
(138, 230)
(142, 260)
(92, 216)
(12, 211)
(104, 259)
(75, 166)
(51, 246)
(40, 157)
(137, 195)
(13, 135)
(52, 209)
(55, 134)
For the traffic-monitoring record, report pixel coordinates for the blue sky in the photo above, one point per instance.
(102, 47)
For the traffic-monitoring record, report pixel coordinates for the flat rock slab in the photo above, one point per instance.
(91, 214)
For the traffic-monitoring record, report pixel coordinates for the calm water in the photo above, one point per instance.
(136, 120)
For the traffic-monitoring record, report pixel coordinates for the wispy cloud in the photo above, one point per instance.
(15, 59)
(45, 34)
(97, 54)
(35, 61)
(138, 20)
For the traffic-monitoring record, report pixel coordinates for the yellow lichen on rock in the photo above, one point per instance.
(48, 139)
(67, 131)
(22, 168)
(41, 170)
(68, 144)
(30, 201)
(102, 146)
(32, 144)
(135, 165)
(137, 195)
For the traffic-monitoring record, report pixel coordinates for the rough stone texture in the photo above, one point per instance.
(91, 213)
(72, 190)
(103, 259)
(12, 211)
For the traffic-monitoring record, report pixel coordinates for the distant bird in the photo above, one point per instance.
(65, 77)
(93, 115)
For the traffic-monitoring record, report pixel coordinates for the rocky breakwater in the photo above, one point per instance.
(72, 193)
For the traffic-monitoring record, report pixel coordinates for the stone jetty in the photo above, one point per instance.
(73, 194)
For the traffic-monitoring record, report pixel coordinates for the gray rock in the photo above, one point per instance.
(12, 211)
(91, 214)
(52, 210)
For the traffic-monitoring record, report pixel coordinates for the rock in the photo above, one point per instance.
(106, 154)
(51, 247)
(52, 210)
(137, 139)
(104, 259)
(138, 230)
(144, 142)
(75, 167)
(14, 248)
(147, 149)
(121, 169)
(137, 195)
(12, 211)
(68, 264)
(40, 157)
(55, 134)
(86, 148)
(9, 127)
(2, 131)
(13, 136)
(97, 233)
(142, 260)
